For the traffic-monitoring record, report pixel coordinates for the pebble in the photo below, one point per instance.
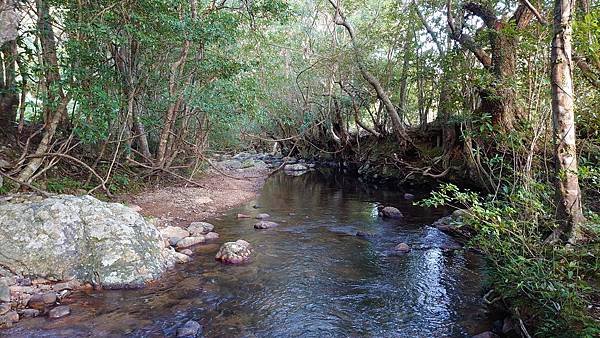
(262, 216)
(243, 216)
(190, 329)
(402, 248)
(59, 311)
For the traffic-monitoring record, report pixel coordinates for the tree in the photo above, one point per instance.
(8, 55)
(569, 210)
(500, 59)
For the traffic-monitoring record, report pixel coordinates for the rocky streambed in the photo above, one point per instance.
(332, 263)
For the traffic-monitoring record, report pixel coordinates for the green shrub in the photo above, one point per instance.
(552, 286)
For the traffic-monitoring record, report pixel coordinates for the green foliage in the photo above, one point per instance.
(551, 285)
(65, 185)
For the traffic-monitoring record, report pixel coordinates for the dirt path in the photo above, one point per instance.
(180, 205)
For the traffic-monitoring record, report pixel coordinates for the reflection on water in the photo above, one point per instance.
(309, 277)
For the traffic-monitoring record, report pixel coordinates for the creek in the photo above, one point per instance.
(311, 277)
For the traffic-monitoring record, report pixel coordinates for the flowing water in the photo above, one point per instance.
(309, 277)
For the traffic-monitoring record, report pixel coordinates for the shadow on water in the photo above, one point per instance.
(310, 277)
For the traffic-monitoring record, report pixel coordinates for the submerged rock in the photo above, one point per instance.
(80, 237)
(265, 225)
(262, 216)
(59, 311)
(190, 241)
(390, 212)
(234, 252)
(409, 196)
(190, 329)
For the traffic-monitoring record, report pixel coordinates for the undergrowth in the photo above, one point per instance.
(551, 287)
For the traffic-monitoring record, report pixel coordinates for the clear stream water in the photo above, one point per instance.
(309, 277)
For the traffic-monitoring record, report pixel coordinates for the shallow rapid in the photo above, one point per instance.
(311, 276)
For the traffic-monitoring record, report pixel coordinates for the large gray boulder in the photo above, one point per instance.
(65, 237)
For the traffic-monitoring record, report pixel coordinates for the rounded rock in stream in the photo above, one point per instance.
(200, 228)
(402, 248)
(265, 225)
(390, 212)
(190, 241)
(234, 252)
(190, 329)
(211, 236)
(262, 216)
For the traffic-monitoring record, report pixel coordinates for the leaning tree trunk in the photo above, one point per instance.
(569, 211)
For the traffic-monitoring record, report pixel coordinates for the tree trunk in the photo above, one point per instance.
(568, 195)
(8, 90)
(56, 105)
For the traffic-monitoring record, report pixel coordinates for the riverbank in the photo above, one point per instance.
(214, 192)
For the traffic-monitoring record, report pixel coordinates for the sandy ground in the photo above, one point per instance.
(180, 205)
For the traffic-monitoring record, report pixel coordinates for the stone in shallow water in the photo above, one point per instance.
(234, 252)
(59, 311)
(402, 248)
(262, 216)
(182, 258)
(200, 228)
(187, 252)
(190, 241)
(243, 216)
(390, 212)
(4, 291)
(211, 236)
(174, 234)
(265, 225)
(190, 329)
(30, 313)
